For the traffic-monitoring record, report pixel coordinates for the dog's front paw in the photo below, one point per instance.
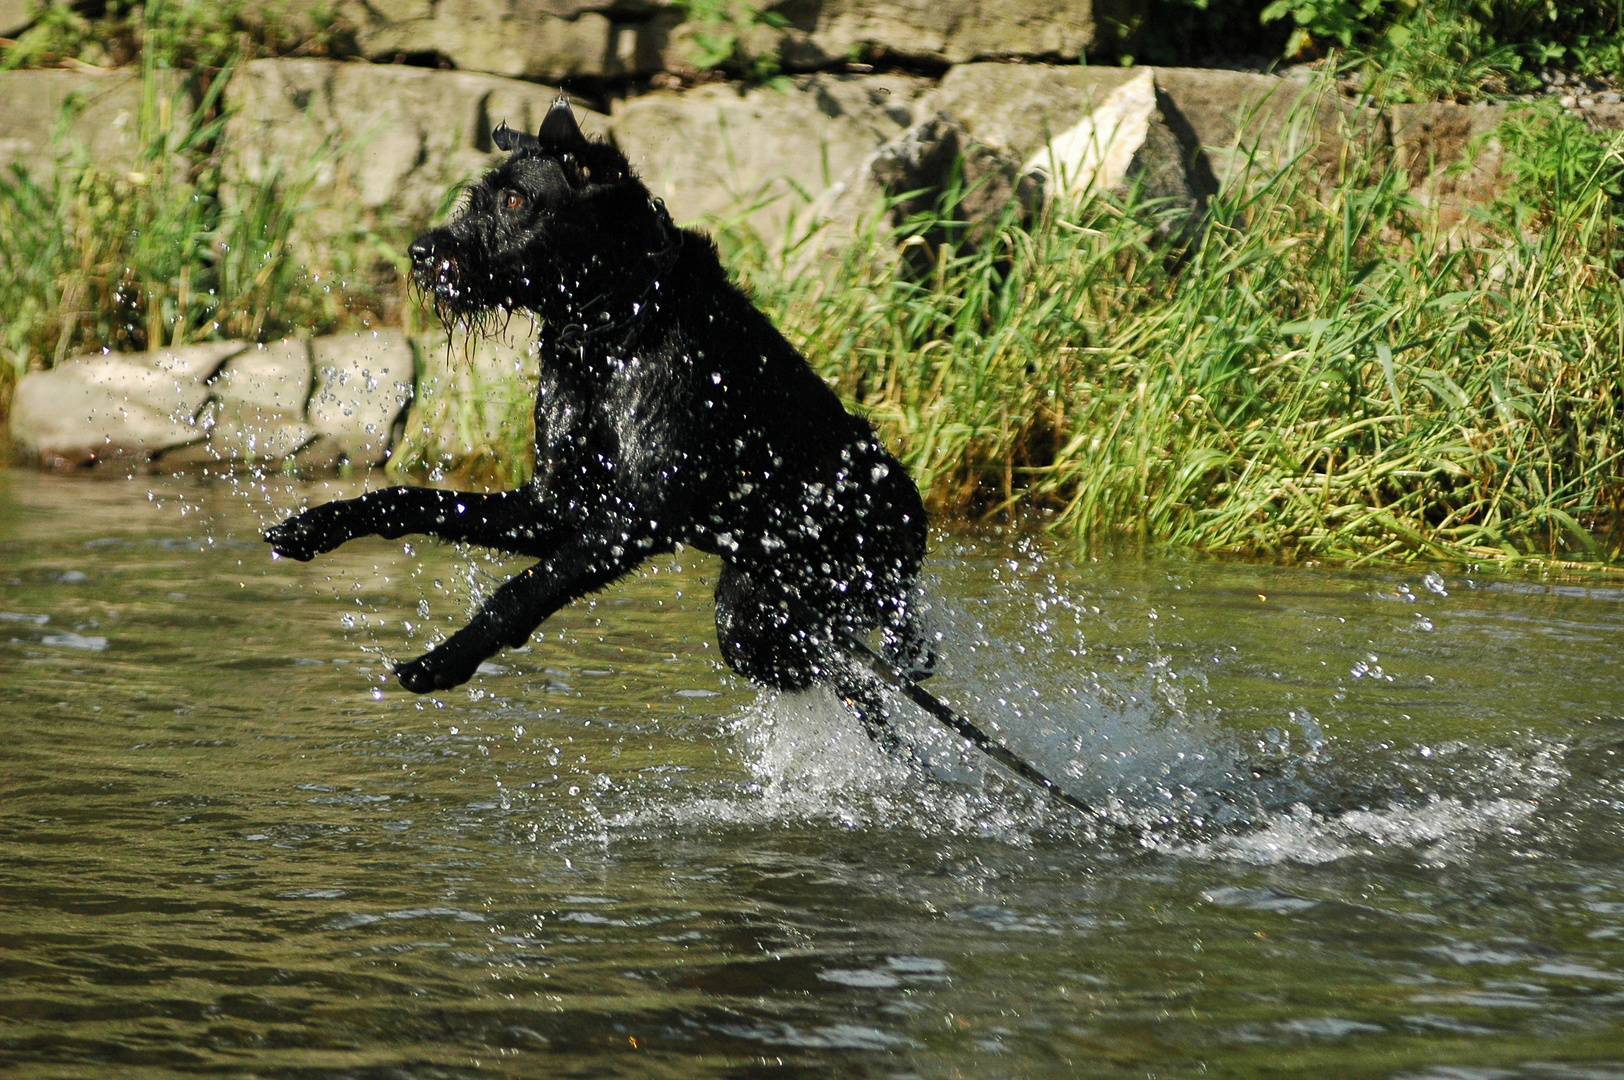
(440, 669)
(302, 536)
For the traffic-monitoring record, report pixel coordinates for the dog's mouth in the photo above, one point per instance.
(441, 275)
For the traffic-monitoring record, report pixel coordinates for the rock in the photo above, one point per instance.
(1097, 151)
(115, 407)
(104, 128)
(470, 411)
(1237, 117)
(826, 32)
(1018, 107)
(762, 155)
(240, 432)
(1125, 144)
(1605, 115)
(1431, 141)
(520, 38)
(363, 383)
(375, 134)
(15, 17)
(274, 377)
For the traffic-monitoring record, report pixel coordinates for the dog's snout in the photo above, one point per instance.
(421, 250)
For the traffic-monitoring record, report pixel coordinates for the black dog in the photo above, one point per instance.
(669, 410)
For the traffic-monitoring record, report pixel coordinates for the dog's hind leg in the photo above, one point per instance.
(770, 636)
(865, 696)
(509, 521)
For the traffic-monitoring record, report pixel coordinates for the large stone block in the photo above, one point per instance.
(327, 402)
(15, 17)
(380, 135)
(531, 39)
(1243, 120)
(363, 384)
(944, 31)
(1019, 107)
(715, 153)
(116, 407)
(47, 114)
(275, 376)
(1433, 141)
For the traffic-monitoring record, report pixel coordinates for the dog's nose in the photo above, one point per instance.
(420, 251)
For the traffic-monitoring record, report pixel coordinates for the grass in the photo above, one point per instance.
(161, 251)
(1329, 374)
(1416, 50)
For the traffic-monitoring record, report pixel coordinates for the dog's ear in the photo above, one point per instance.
(559, 129)
(505, 138)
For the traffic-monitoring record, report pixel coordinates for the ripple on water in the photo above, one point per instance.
(1370, 817)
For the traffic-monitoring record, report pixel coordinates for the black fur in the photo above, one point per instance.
(669, 410)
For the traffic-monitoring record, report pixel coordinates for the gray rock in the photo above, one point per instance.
(105, 116)
(824, 32)
(1017, 108)
(243, 433)
(521, 38)
(15, 17)
(1432, 141)
(375, 135)
(363, 383)
(114, 407)
(274, 377)
(761, 156)
(1606, 114)
(1239, 119)
(1229, 116)
(469, 402)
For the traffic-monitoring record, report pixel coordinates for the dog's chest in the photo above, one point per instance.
(605, 420)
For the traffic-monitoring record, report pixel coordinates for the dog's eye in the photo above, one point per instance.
(513, 200)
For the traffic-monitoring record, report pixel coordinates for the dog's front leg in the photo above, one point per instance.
(509, 520)
(513, 612)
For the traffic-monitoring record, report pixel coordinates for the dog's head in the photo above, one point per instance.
(560, 225)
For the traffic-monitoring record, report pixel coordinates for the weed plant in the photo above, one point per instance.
(1415, 50)
(159, 251)
(1329, 373)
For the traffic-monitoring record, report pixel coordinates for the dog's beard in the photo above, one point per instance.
(456, 304)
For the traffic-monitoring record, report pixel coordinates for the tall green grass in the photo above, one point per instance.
(1329, 374)
(159, 250)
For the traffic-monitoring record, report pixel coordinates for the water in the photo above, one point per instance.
(1362, 823)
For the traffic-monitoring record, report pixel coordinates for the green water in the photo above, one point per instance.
(1369, 821)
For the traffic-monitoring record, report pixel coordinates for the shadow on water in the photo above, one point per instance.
(1374, 820)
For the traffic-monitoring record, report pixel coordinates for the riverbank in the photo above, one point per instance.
(1298, 322)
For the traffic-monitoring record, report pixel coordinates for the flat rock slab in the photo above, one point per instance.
(518, 38)
(329, 402)
(105, 127)
(1434, 141)
(943, 31)
(714, 153)
(363, 383)
(275, 377)
(380, 134)
(116, 407)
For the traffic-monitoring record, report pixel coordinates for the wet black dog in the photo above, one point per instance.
(669, 411)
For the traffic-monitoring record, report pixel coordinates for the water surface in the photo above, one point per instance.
(1361, 823)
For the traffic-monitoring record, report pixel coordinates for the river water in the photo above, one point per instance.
(1360, 823)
